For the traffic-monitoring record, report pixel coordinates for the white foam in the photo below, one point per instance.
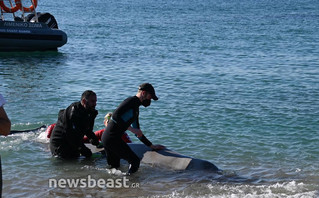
(114, 171)
(43, 138)
(286, 189)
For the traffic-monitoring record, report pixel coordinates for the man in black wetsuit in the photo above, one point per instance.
(73, 123)
(125, 115)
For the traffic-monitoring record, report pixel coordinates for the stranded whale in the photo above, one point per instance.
(165, 158)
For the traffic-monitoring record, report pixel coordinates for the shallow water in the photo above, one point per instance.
(237, 81)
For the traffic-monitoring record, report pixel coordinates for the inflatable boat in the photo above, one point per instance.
(34, 32)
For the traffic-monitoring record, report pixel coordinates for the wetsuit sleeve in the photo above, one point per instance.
(93, 139)
(89, 133)
(145, 141)
(136, 124)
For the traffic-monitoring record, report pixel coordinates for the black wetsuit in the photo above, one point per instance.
(124, 116)
(73, 123)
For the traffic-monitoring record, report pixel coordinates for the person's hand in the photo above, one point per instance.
(94, 141)
(85, 151)
(100, 145)
(157, 147)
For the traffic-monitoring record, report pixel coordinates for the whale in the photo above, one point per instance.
(170, 159)
(165, 158)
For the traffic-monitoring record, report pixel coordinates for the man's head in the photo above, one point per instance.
(88, 100)
(146, 92)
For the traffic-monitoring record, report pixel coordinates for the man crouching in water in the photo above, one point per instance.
(125, 115)
(73, 123)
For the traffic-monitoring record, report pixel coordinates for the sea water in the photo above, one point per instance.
(237, 81)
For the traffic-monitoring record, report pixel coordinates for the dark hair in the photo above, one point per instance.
(87, 94)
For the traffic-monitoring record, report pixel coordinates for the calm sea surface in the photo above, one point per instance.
(238, 83)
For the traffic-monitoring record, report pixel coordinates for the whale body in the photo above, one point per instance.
(170, 159)
(165, 158)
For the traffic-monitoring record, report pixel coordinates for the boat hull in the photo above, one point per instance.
(28, 36)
